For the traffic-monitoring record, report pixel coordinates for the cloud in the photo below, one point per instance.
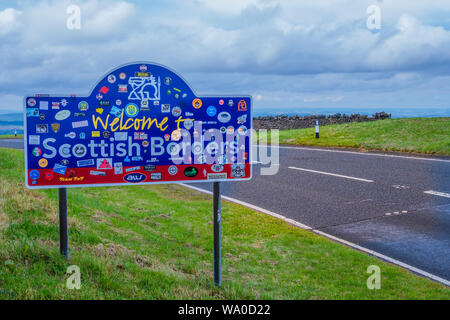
(291, 52)
(9, 20)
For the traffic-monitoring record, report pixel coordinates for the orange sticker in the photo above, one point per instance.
(197, 103)
(242, 105)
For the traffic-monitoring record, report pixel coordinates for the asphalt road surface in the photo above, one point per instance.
(394, 205)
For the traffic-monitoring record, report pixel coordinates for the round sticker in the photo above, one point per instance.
(43, 163)
(83, 106)
(131, 110)
(176, 111)
(242, 130)
(122, 76)
(118, 102)
(112, 78)
(221, 102)
(173, 170)
(176, 135)
(197, 103)
(230, 103)
(211, 111)
(34, 174)
(31, 102)
(64, 102)
(37, 152)
(62, 115)
(188, 124)
(167, 81)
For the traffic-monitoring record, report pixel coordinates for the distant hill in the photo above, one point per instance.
(11, 121)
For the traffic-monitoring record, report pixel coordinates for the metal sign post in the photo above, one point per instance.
(217, 233)
(63, 229)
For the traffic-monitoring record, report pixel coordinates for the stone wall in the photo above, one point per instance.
(299, 122)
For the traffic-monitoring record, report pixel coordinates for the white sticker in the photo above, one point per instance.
(118, 168)
(43, 105)
(120, 136)
(34, 140)
(217, 176)
(62, 115)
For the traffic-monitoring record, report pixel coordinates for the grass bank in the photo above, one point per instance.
(155, 242)
(418, 135)
(11, 136)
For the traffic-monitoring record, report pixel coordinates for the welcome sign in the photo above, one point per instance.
(141, 124)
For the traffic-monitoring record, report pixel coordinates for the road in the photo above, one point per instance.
(396, 206)
(374, 201)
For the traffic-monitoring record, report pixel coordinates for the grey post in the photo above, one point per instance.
(217, 245)
(63, 229)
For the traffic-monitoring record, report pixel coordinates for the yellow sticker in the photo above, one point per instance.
(43, 163)
(95, 134)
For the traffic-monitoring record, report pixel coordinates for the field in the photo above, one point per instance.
(155, 242)
(415, 135)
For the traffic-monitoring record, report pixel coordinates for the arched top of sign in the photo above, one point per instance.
(145, 81)
(141, 123)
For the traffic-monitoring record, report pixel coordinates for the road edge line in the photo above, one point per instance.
(329, 236)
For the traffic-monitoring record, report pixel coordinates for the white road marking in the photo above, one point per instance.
(363, 153)
(251, 206)
(331, 174)
(436, 193)
(329, 236)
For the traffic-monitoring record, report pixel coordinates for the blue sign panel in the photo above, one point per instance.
(141, 124)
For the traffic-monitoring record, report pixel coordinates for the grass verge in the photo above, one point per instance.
(418, 135)
(155, 242)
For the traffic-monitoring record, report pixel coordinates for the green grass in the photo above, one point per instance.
(155, 242)
(417, 135)
(11, 136)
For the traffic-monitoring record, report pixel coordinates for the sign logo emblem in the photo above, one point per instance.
(55, 127)
(190, 172)
(135, 177)
(144, 88)
(83, 106)
(131, 110)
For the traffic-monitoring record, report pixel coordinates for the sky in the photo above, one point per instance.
(291, 55)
